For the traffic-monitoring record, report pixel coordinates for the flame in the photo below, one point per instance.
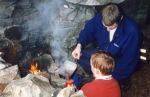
(34, 69)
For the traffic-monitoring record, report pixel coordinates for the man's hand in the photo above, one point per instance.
(77, 52)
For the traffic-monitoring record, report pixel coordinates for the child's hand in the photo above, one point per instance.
(78, 94)
(66, 92)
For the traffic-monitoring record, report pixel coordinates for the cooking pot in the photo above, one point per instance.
(67, 69)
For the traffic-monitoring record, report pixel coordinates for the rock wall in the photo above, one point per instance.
(137, 9)
(55, 24)
(19, 12)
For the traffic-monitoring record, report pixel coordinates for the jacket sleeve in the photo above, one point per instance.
(130, 54)
(87, 34)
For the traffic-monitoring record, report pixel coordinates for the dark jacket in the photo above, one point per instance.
(125, 45)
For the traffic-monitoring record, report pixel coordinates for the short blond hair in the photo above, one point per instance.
(111, 14)
(104, 61)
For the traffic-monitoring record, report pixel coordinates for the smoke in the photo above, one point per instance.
(46, 23)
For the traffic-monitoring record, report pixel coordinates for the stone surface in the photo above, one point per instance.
(29, 86)
(2, 87)
(2, 62)
(6, 9)
(44, 61)
(8, 74)
(72, 20)
(94, 2)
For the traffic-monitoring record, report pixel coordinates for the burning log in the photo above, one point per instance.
(45, 66)
(41, 64)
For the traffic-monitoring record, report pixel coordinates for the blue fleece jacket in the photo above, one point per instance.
(125, 45)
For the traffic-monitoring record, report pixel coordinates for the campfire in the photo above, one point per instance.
(34, 69)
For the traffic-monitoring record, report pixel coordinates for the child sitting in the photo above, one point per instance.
(104, 85)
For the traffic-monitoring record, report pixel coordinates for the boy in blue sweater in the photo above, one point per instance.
(115, 33)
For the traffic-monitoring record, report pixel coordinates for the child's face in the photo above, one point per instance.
(96, 72)
(92, 68)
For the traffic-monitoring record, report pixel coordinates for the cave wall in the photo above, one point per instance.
(137, 9)
(18, 12)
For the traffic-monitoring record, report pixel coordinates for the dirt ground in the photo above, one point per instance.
(140, 83)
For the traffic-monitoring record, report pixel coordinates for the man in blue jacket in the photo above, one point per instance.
(115, 33)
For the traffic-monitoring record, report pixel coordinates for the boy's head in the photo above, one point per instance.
(111, 15)
(103, 62)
